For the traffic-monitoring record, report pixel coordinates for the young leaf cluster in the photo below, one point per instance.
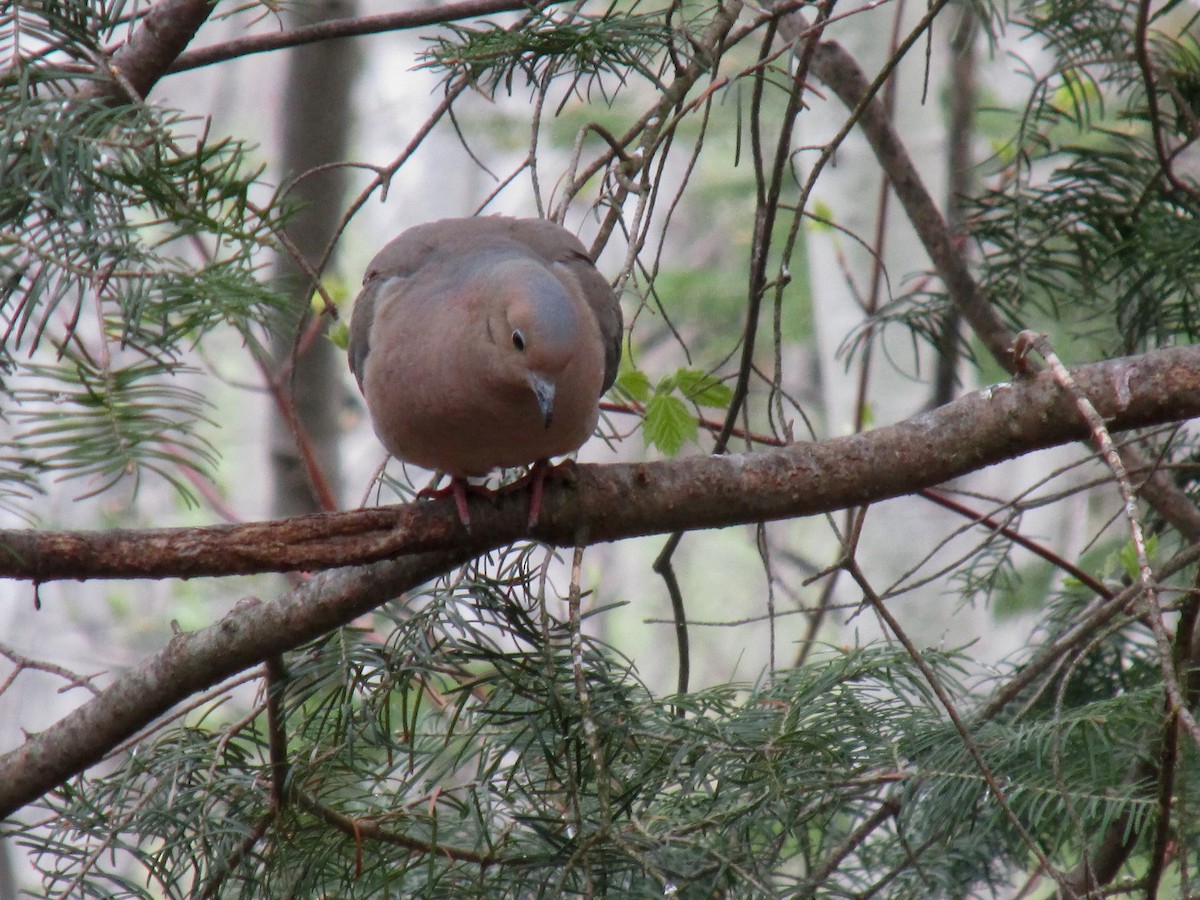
(668, 423)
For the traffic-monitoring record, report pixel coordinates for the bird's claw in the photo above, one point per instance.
(536, 477)
(458, 488)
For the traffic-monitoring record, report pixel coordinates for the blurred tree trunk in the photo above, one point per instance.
(316, 126)
(961, 183)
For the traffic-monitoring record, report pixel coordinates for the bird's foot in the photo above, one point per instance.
(536, 479)
(458, 488)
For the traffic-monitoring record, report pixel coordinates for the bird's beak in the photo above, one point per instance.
(543, 389)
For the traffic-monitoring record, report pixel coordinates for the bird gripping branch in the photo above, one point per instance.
(484, 343)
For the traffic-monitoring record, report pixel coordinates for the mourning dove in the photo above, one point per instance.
(484, 343)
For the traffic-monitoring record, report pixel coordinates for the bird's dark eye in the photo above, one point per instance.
(518, 340)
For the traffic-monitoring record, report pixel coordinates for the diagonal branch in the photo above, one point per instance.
(155, 43)
(841, 72)
(621, 501)
(252, 632)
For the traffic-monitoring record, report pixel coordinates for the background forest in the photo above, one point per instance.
(877, 580)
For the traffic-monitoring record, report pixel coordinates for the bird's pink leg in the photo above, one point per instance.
(538, 475)
(536, 479)
(457, 488)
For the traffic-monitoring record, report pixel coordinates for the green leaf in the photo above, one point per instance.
(703, 388)
(339, 290)
(1129, 561)
(339, 333)
(634, 383)
(822, 216)
(668, 424)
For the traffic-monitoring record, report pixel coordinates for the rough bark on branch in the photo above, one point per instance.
(621, 501)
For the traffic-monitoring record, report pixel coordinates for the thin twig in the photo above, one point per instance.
(276, 681)
(590, 730)
(664, 569)
(1168, 756)
(359, 829)
(23, 663)
(222, 872)
(1148, 589)
(960, 726)
(888, 809)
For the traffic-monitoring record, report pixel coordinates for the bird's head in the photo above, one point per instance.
(538, 332)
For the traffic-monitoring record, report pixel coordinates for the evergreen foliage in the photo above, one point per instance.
(451, 755)
(127, 239)
(1089, 226)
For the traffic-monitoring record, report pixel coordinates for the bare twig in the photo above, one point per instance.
(24, 663)
(1166, 156)
(666, 571)
(276, 681)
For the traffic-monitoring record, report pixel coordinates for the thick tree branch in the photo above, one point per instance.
(615, 501)
(621, 501)
(153, 46)
(252, 632)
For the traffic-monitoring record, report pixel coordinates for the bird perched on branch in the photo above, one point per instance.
(484, 343)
